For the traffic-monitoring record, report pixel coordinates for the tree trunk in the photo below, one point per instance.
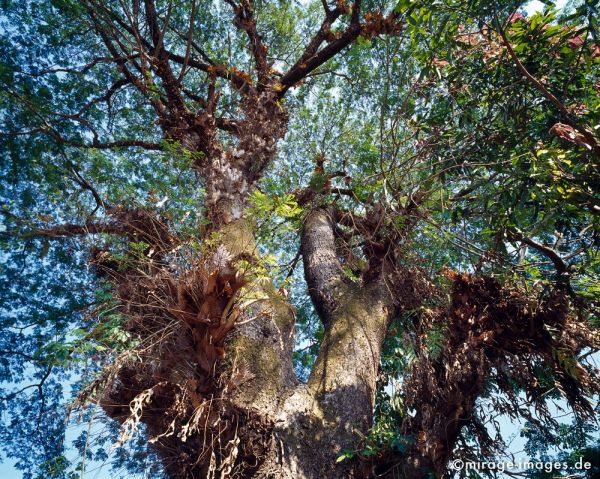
(333, 411)
(310, 424)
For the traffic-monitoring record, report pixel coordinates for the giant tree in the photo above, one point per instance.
(424, 172)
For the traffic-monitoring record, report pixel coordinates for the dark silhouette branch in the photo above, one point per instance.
(559, 263)
(69, 230)
(314, 56)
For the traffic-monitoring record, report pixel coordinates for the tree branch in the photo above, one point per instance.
(312, 58)
(323, 272)
(210, 67)
(70, 230)
(86, 185)
(162, 67)
(560, 265)
(245, 20)
(189, 41)
(546, 93)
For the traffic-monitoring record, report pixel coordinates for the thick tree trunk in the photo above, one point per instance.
(263, 340)
(211, 377)
(333, 411)
(218, 394)
(317, 421)
(311, 424)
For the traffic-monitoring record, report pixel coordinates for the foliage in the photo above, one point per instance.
(476, 169)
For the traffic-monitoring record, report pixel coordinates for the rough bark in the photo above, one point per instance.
(218, 393)
(311, 423)
(242, 360)
(225, 370)
(333, 411)
(264, 340)
(308, 425)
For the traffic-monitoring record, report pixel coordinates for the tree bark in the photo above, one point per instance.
(312, 423)
(333, 411)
